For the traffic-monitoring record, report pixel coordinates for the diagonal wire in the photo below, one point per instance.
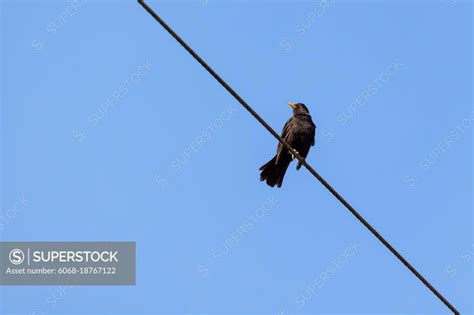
(302, 160)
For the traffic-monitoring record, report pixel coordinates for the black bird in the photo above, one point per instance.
(298, 132)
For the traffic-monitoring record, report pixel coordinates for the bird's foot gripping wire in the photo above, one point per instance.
(294, 154)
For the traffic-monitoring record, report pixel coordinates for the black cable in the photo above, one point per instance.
(302, 160)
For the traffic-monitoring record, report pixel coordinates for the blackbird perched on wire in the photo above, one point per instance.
(299, 133)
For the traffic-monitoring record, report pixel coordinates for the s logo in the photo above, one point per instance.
(16, 256)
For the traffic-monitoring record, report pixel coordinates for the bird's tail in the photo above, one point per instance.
(273, 173)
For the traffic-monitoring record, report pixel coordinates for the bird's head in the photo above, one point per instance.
(299, 108)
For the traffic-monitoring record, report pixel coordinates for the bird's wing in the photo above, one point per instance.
(314, 133)
(286, 134)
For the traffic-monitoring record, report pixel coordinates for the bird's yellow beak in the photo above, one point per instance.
(292, 105)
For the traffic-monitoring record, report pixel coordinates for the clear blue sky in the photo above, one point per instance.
(111, 131)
